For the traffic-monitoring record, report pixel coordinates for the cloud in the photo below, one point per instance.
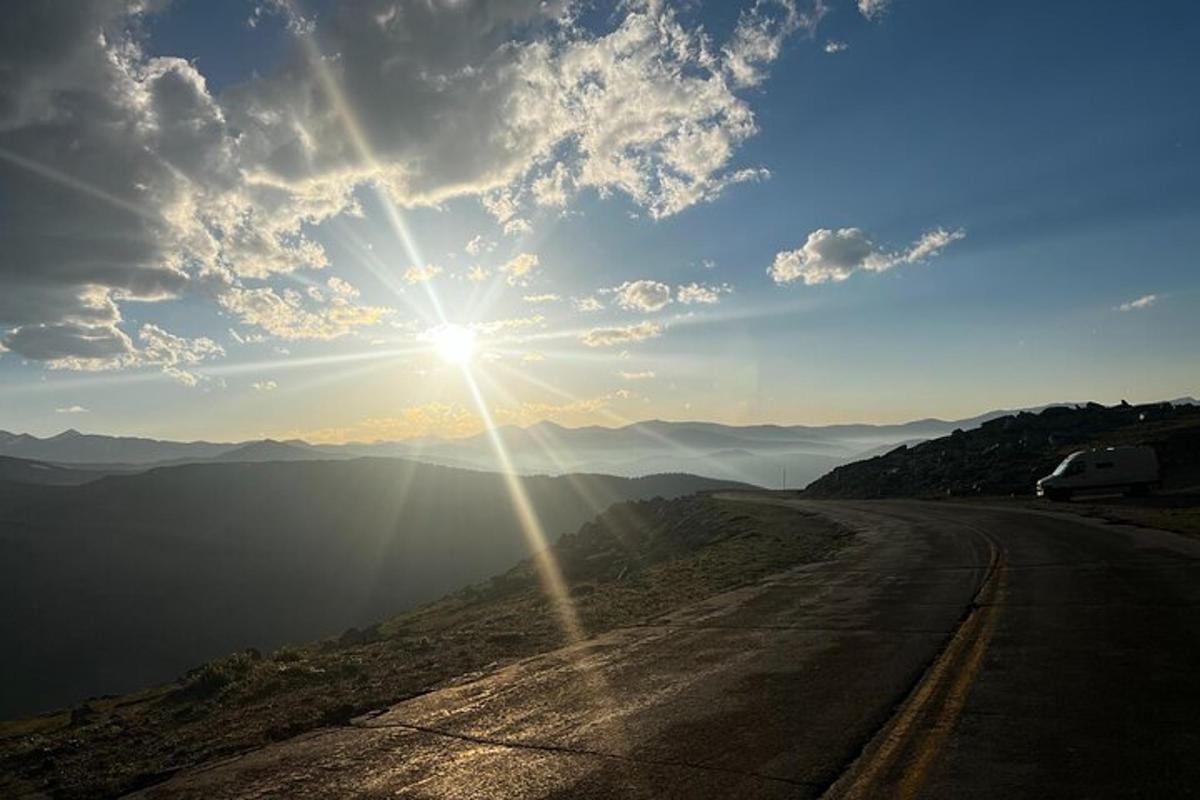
(532, 356)
(432, 419)
(285, 316)
(138, 183)
(342, 288)
(478, 274)
(833, 46)
(265, 386)
(643, 295)
(1140, 304)
(71, 410)
(499, 326)
(637, 376)
(541, 298)
(608, 337)
(519, 269)
(835, 255)
(580, 411)
(174, 353)
(701, 293)
(101, 348)
(587, 305)
(873, 9)
(478, 245)
(455, 421)
(759, 35)
(415, 274)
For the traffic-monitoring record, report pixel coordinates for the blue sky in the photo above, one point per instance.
(1007, 191)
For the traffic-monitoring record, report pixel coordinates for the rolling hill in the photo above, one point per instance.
(131, 579)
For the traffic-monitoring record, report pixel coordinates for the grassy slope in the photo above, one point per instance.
(635, 561)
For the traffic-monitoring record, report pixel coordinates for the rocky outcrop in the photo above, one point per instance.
(1008, 454)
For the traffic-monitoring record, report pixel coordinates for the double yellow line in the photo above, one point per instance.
(897, 761)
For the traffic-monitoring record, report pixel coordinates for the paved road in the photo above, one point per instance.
(953, 651)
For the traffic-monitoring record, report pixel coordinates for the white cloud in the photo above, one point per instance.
(102, 348)
(519, 269)
(71, 410)
(833, 46)
(478, 245)
(1140, 304)
(643, 375)
(478, 274)
(517, 226)
(342, 288)
(643, 295)
(835, 255)
(553, 187)
(587, 305)
(265, 386)
(500, 326)
(541, 298)
(607, 337)
(416, 274)
(701, 293)
(873, 9)
(286, 317)
(759, 35)
(179, 189)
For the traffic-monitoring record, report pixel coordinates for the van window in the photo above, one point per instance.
(1076, 467)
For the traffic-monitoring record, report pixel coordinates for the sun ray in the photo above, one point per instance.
(547, 567)
(81, 186)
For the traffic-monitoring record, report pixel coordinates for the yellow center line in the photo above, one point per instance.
(931, 746)
(943, 689)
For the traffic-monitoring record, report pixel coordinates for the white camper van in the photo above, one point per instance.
(1133, 470)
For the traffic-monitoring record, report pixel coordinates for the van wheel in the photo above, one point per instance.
(1059, 495)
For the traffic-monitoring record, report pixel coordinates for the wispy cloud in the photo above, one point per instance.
(418, 274)
(701, 293)
(607, 337)
(873, 9)
(71, 410)
(519, 269)
(1140, 304)
(834, 255)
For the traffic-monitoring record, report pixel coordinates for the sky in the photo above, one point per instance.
(380, 220)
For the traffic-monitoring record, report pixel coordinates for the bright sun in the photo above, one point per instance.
(455, 344)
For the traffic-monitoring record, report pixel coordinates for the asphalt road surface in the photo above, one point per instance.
(953, 651)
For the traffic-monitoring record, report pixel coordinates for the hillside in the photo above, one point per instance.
(131, 579)
(1008, 454)
(24, 471)
(635, 561)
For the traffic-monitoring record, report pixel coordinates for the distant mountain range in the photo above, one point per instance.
(766, 455)
(129, 580)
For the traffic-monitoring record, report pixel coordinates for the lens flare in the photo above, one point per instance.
(454, 344)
